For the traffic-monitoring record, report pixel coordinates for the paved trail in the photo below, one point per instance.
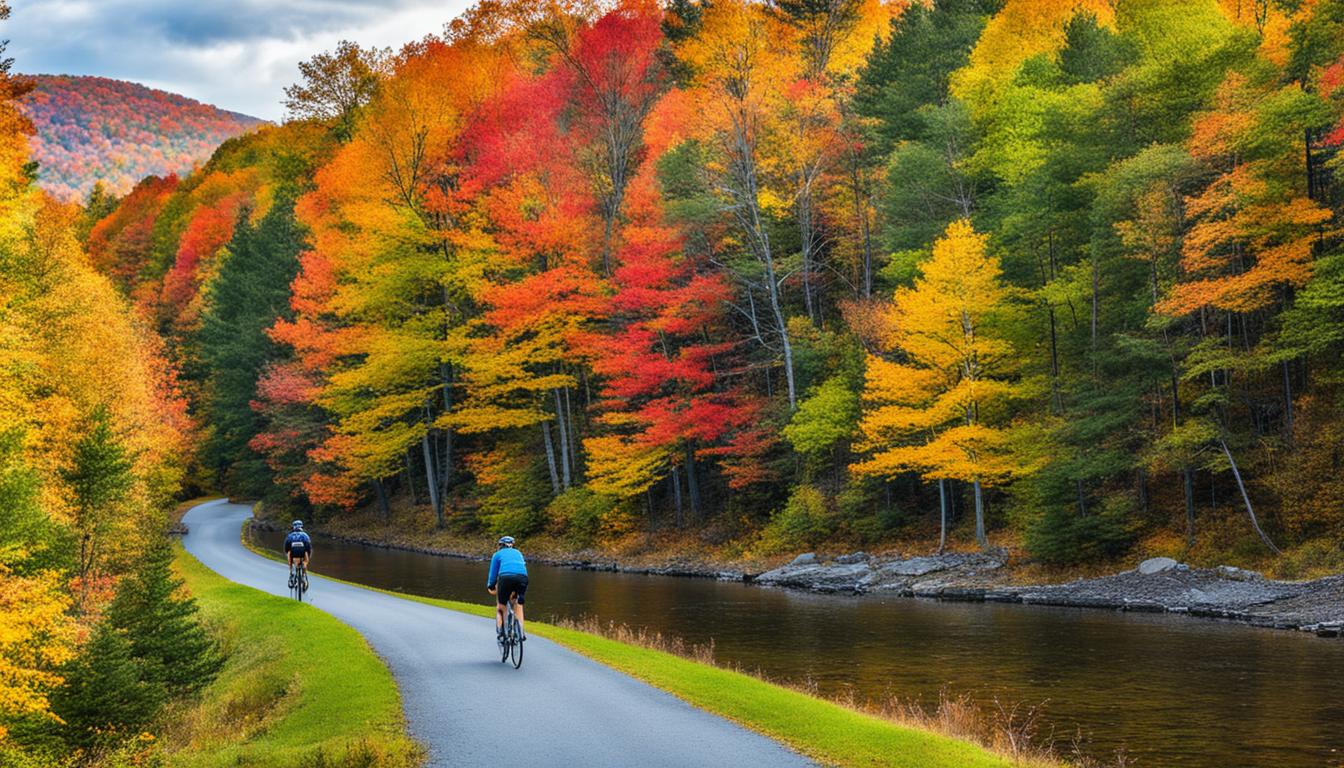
(568, 710)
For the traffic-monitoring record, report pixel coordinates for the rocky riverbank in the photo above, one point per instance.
(1159, 585)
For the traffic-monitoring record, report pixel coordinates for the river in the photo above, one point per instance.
(1162, 690)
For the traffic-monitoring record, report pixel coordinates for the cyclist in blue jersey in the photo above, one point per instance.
(508, 576)
(297, 545)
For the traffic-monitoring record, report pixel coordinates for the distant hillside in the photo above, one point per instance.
(92, 128)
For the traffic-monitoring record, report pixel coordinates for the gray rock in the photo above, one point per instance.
(819, 578)
(915, 566)
(850, 559)
(1156, 565)
(807, 558)
(1238, 574)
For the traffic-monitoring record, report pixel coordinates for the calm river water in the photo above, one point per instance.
(1165, 690)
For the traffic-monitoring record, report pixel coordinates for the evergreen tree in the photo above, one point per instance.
(101, 477)
(106, 697)
(250, 293)
(163, 627)
(99, 204)
(912, 68)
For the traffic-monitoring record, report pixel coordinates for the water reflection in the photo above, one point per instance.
(1168, 691)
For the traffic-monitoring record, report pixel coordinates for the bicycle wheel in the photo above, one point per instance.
(298, 584)
(515, 640)
(504, 641)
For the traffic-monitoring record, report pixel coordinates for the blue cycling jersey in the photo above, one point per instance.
(299, 538)
(506, 562)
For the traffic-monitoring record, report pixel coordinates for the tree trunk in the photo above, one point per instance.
(749, 215)
(1143, 490)
(431, 480)
(1287, 404)
(1250, 512)
(410, 481)
(676, 493)
(1189, 506)
(449, 473)
(565, 477)
(692, 482)
(381, 493)
(550, 457)
(573, 438)
(942, 511)
(805, 235)
(980, 537)
(783, 335)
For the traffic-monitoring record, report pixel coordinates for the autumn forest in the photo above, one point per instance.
(1060, 276)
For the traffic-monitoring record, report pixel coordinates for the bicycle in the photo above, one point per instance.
(298, 581)
(511, 643)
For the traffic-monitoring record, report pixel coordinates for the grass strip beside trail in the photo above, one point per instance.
(300, 688)
(826, 732)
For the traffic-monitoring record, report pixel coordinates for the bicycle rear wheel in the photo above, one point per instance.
(299, 580)
(505, 640)
(515, 640)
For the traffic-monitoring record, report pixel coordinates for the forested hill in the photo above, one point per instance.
(1062, 276)
(92, 129)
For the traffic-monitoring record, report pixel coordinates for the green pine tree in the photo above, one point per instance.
(105, 699)
(101, 478)
(913, 67)
(163, 626)
(250, 293)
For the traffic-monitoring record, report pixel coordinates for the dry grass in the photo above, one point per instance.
(1014, 731)
(654, 641)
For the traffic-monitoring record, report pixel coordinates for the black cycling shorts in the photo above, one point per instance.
(508, 584)
(298, 552)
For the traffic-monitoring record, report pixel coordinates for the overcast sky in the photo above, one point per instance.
(235, 54)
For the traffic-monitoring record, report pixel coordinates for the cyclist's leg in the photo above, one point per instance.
(500, 604)
(519, 595)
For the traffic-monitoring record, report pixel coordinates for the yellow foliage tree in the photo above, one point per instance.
(36, 635)
(1020, 30)
(743, 57)
(937, 407)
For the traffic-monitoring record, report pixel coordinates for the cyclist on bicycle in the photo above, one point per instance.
(508, 576)
(297, 545)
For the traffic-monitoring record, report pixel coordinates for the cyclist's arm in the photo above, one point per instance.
(494, 572)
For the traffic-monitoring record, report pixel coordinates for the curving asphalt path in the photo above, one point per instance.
(564, 709)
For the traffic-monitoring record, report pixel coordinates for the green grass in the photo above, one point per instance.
(299, 689)
(828, 733)
(824, 731)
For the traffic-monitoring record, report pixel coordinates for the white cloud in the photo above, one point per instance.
(235, 54)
